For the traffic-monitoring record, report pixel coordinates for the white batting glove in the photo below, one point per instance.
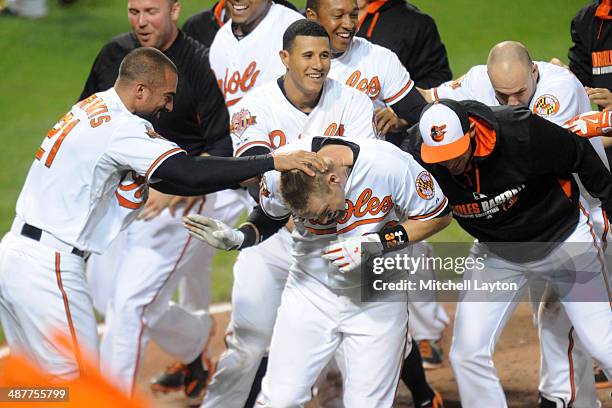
(346, 254)
(214, 232)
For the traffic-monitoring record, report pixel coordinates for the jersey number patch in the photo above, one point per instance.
(55, 138)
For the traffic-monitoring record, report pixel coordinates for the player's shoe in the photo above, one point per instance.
(544, 402)
(435, 402)
(431, 353)
(601, 381)
(192, 378)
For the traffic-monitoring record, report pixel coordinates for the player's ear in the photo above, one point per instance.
(311, 14)
(284, 56)
(175, 11)
(140, 90)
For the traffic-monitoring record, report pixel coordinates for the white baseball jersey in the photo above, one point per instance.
(241, 65)
(375, 196)
(265, 117)
(89, 179)
(558, 97)
(373, 70)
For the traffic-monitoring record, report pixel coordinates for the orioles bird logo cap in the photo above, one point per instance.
(445, 129)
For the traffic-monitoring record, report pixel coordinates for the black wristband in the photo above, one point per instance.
(251, 235)
(393, 238)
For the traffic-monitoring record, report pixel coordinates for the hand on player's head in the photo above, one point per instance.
(307, 162)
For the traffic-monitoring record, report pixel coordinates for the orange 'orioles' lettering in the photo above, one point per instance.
(234, 81)
(366, 204)
(369, 87)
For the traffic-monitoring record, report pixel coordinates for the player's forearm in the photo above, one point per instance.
(260, 227)
(200, 175)
(410, 106)
(420, 230)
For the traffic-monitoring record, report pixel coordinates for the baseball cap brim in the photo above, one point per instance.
(442, 153)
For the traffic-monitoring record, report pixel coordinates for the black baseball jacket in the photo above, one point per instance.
(199, 121)
(412, 35)
(518, 186)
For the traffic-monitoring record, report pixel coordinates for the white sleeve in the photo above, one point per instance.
(137, 146)
(269, 196)
(419, 197)
(360, 118)
(247, 127)
(465, 87)
(560, 102)
(397, 82)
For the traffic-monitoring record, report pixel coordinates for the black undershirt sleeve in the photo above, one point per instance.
(265, 225)
(410, 106)
(185, 175)
(558, 151)
(253, 188)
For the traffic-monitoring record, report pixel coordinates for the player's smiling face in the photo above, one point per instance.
(308, 63)
(154, 22)
(246, 11)
(339, 18)
(154, 98)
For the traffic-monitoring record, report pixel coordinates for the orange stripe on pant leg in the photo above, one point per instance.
(144, 308)
(75, 343)
(570, 358)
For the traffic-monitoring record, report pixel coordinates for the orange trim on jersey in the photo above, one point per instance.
(144, 308)
(604, 237)
(372, 8)
(431, 214)
(39, 153)
(60, 285)
(242, 148)
(397, 95)
(124, 202)
(566, 186)
(435, 94)
(603, 10)
(160, 159)
(599, 256)
(218, 11)
(570, 358)
(373, 24)
(321, 231)
(232, 102)
(360, 222)
(129, 187)
(485, 137)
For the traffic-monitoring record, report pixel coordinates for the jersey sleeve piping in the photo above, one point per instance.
(161, 159)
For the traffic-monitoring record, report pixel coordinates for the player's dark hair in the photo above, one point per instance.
(312, 4)
(145, 64)
(303, 27)
(297, 188)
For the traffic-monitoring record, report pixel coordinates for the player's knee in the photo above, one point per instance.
(462, 356)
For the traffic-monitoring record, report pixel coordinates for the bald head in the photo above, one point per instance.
(512, 73)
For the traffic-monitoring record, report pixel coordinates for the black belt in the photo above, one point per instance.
(34, 233)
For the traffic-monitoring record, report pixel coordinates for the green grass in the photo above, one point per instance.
(44, 64)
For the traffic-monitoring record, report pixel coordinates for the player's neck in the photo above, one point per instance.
(171, 40)
(242, 30)
(305, 102)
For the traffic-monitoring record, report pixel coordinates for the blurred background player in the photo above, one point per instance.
(512, 78)
(132, 293)
(590, 59)
(411, 34)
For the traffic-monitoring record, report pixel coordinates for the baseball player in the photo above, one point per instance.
(511, 78)
(321, 308)
(89, 180)
(507, 174)
(379, 73)
(132, 294)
